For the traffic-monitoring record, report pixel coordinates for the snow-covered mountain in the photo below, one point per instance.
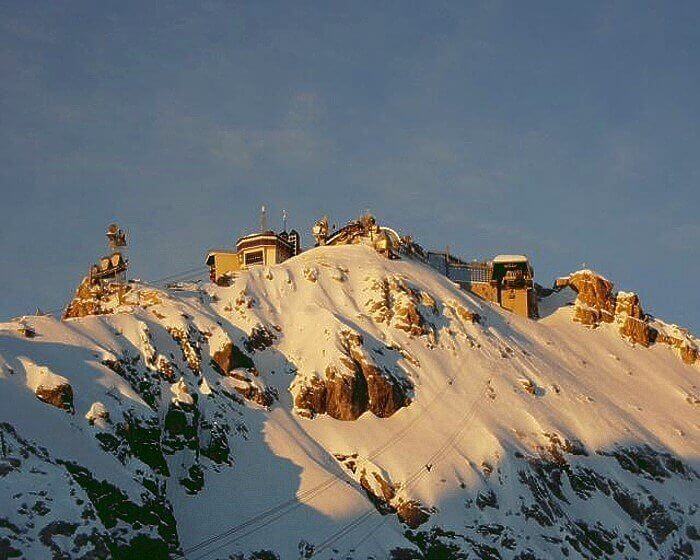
(344, 405)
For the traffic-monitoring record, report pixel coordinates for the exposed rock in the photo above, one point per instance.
(190, 340)
(595, 302)
(634, 324)
(260, 338)
(382, 493)
(352, 386)
(638, 331)
(181, 394)
(96, 299)
(230, 358)
(412, 513)
(264, 397)
(56, 393)
(627, 304)
(151, 529)
(679, 339)
(395, 302)
(464, 314)
(311, 398)
(346, 394)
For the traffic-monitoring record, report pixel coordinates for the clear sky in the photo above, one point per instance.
(565, 130)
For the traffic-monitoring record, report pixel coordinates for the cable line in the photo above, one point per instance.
(413, 479)
(293, 503)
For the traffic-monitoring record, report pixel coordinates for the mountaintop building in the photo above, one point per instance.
(263, 248)
(507, 279)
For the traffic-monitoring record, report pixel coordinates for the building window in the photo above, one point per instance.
(254, 257)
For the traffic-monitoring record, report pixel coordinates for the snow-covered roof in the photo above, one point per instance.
(509, 258)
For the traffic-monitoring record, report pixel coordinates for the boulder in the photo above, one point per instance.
(59, 395)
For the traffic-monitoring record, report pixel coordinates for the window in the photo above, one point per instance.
(254, 257)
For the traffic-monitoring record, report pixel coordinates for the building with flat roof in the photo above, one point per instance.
(263, 248)
(507, 280)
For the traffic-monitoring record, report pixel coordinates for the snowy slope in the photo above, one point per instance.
(502, 437)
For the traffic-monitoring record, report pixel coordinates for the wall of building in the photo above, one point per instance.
(225, 263)
(484, 290)
(519, 300)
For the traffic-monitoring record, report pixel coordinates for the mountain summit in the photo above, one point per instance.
(345, 405)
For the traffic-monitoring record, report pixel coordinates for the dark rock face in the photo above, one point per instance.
(60, 396)
(560, 473)
(354, 386)
(260, 338)
(346, 395)
(412, 513)
(230, 358)
(114, 508)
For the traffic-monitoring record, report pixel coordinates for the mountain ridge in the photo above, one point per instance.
(212, 406)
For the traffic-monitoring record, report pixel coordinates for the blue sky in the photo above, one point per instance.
(566, 130)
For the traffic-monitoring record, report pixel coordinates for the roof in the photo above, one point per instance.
(509, 258)
(267, 233)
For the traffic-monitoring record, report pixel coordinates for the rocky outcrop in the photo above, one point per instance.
(230, 358)
(385, 495)
(49, 387)
(463, 313)
(633, 322)
(59, 395)
(97, 415)
(412, 513)
(597, 303)
(394, 302)
(189, 339)
(679, 339)
(95, 299)
(352, 386)
(261, 337)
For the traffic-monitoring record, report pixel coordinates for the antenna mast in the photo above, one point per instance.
(263, 218)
